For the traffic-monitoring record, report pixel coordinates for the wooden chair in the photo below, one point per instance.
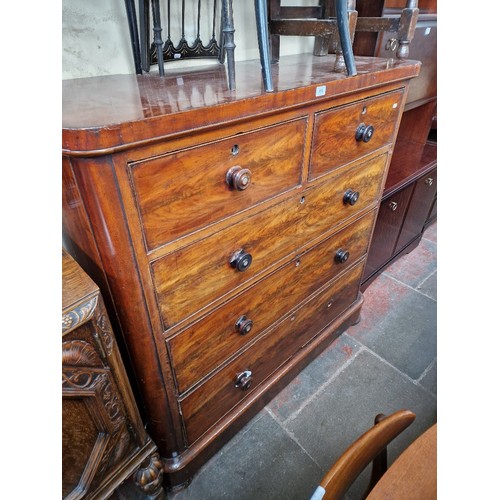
(217, 45)
(370, 447)
(331, 22)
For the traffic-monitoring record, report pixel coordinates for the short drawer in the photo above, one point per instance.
(196, 275)
(199, 349)
(179, 193)
(343, 134)
(211, 401)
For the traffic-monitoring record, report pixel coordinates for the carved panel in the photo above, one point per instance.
(85, 378)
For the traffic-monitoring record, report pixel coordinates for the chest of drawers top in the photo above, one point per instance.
(101, 113)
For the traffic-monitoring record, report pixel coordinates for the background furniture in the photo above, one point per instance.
(370, 447)
(103, 439)
(228, 229)
(331, 22)
(217, 46)
(409, 202)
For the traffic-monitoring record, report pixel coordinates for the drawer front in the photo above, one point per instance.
(334, 140)
(181, 192)
(204, 345)
(419, 208)
(211, 401)
(387, 228)
(193, 277)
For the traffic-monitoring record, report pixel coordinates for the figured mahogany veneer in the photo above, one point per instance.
(227, 230)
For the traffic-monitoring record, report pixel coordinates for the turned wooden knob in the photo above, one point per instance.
(238, 178)
(364, 132)
(244, 325)
(350, 197)
(341, 256)
(243, 380)
(241, 260)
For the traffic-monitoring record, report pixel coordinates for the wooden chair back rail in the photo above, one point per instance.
(371, 446)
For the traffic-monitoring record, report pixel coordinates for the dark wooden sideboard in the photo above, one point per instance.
(104, 442)
(228, 231)
(409, 201)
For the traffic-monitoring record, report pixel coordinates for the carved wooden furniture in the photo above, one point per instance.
(370, 447)
(103, 439)
(227, 230)
(409, 202)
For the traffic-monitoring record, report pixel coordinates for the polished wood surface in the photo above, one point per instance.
(204, 406)
(413, 474)
(124, 110)
(414, 157)
(103, 439)
(212, 339)
(334, 140)
(173, 191)
(364, 450)
(160, 229)
(299, 220)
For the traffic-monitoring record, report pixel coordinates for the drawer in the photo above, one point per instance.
(211, 401)
(196, 275)
(181, 192)
(205, 344)
(334, 138)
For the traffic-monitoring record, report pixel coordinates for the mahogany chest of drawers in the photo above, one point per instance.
(228, 230)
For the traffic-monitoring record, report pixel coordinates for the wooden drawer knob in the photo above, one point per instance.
(241, 260)
(244, 380)
(244, 325)
(341, 256)
(238, 178)
(350, 197)
(364, 132)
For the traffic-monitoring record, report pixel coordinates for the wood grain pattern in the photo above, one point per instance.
(174, 191)
(212, 339)
(334, 142)
(203, 272)
(128, 140)
(203, 407)
(106, 114)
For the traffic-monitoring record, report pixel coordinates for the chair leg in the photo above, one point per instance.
(228, 40)
(134, 36)
(345, 37)
(263, 39)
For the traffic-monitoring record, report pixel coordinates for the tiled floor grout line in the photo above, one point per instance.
(409, 286)
(425, 279)
(424, 373)
(404, 375)
(319, 390)
(291, 436)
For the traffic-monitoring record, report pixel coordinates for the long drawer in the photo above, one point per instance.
(194, 276)
(208, 403)
(181, 192)
(205, 344)
(342, 135)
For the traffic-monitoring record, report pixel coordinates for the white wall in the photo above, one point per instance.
(95, 37)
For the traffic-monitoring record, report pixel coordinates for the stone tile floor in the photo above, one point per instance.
(385, 363)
